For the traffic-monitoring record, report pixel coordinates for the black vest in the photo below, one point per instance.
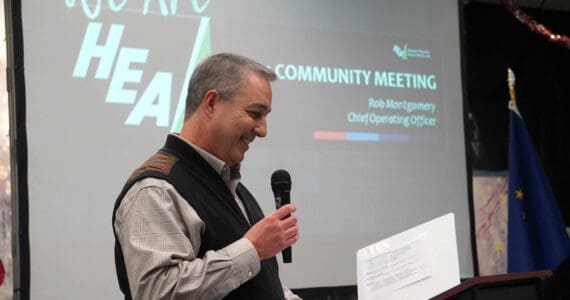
(206, 192)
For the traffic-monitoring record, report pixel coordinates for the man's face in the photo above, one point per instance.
(241, 119)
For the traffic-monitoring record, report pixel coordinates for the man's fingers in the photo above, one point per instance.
(284, 211)
(292, 233)
(289, 221)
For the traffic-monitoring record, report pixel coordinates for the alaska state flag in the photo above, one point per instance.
(537, 238)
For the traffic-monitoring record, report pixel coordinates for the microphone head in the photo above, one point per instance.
(280, 181)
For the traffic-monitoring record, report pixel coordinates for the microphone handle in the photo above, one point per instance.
(287, 255)
(285, 198)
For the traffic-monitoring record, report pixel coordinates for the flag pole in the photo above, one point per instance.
(513, 100)
(511, 81)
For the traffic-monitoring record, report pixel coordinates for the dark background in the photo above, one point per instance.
(495, 40)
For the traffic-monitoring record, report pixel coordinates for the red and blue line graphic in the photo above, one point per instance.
(359, 136)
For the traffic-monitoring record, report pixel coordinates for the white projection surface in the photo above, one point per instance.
(367, 118)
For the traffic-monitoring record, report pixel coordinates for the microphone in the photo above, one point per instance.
(281, 186)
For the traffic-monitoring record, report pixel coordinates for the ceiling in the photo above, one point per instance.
(560, 5)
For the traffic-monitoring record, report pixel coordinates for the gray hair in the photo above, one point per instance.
(223, 72)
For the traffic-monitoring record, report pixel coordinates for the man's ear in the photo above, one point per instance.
(209, 102)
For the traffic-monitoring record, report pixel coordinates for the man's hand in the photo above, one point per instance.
(275, 232)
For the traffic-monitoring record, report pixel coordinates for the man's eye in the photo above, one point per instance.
(254, 114)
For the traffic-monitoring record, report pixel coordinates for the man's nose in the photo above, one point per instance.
(260, 128)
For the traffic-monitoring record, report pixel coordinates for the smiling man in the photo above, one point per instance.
(185, 227)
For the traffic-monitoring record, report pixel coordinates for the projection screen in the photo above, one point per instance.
(367, 117)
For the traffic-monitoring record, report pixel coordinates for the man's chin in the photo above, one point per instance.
(237, 159)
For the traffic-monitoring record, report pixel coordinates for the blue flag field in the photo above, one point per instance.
(537, 238)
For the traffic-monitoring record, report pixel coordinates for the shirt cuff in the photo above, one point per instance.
(245, 258)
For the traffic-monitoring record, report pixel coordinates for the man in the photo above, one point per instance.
(185, 228)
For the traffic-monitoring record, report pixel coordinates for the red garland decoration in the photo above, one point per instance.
(535, 26)
(2, 272)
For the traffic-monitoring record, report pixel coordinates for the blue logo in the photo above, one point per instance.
(404, 52)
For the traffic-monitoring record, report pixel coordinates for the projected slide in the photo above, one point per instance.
(371, 88)
(367, 117)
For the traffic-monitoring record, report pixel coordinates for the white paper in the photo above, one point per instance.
(384, 267)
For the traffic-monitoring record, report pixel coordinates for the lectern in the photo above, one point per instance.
(519, 286)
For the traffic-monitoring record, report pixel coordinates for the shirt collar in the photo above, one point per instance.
(227, 173)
